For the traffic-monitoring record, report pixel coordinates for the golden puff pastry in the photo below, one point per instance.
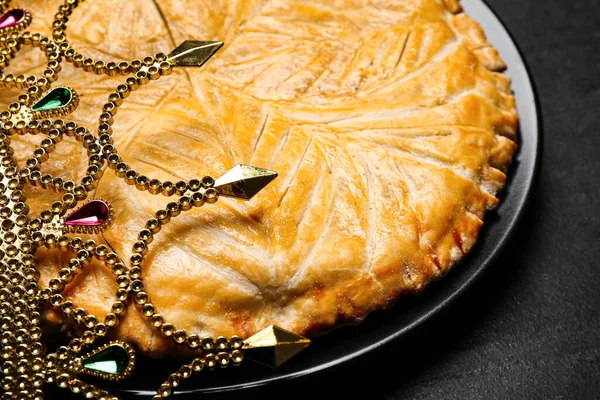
(389, 123)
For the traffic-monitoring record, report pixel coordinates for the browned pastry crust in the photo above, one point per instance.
(388, 121)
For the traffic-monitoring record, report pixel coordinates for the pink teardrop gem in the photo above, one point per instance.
(12, 18)
(94, 213)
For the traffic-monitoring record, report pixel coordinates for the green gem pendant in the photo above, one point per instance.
(114, 361)
(58, 101)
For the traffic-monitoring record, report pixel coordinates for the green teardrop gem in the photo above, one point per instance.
(112, 360)
(53, 100)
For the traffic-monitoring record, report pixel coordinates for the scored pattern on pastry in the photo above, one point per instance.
(389, 123)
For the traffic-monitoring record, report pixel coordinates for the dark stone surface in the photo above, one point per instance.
(530, 329)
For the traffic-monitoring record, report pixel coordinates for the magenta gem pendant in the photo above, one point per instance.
(93, 217)
(14, 19)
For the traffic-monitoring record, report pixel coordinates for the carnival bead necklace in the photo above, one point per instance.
(42, 109)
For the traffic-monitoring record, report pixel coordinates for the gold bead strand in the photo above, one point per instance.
(66, 380)
(79, 60)
(94, 329)
(197, 196)
(19, 328)
(208, 360)
(9, 48)
(152, 69)
(32, 173)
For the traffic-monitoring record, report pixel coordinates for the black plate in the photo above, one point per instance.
(381, 327)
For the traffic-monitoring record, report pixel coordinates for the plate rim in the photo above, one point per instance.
(446, 300)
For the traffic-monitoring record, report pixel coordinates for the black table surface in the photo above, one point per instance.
(530, 329)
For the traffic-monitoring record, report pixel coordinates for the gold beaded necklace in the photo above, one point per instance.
(25, 364)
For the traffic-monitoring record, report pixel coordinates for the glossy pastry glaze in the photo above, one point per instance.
(389, 123)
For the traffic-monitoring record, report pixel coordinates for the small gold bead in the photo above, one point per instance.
(154, 225)
(142, 78)
(38, 380)
(222, 343)
(154, 73)
(89, 392)
(146, 235)
(222, 359)
(185, 371)
(76, 244)
(237, 356)
(136, 64)
(208, 343)
(157, 320)
(132, 84)
(119, 269)
(111, 320)
(90, 321)
(174, 380)
(211, 195)
(185, 203)
(154, 186)
(122, 294)
(76, 344)
(135, 272)
(148, 310)
(137, 285)
(66, 274)
(165, 68)
(76, 385)
(208, 181)
(110, 108)
(63, 353)
(37, 364)
(123, 281)
(76, 265)
(84, 256)
(89, 337)
(111, 69)
(103, 395)
(99, 67)
(163, 216)
(101, 251)
(193, 341)
(165, 390)
(100, 329)
(197, 364)
(141, 298)
(173, 209)
(210, 361)
(124, 68)
(78, 314)
(179, 336)
(123, 91)
(168, 189)
(168, 329)
(119, 307)
(63, 380)
(88, 64)
(67, 307)
(56, 300)
(136, 259)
